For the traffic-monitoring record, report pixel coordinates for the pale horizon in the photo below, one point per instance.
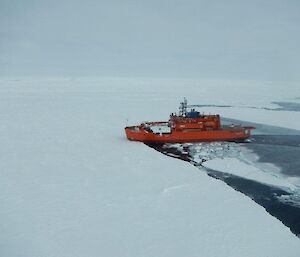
(255, 40)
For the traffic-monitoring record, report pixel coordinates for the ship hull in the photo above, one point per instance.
(136, 133)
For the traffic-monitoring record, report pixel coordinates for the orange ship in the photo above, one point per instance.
(187, 126)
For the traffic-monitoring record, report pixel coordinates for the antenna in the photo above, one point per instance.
(183, 107)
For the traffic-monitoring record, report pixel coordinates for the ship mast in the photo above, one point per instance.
(183, 108)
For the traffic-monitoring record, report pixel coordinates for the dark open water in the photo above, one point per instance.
(273, 145)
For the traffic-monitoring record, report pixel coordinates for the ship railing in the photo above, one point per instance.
(162, 123)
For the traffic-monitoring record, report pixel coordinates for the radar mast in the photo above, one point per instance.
(183, 108)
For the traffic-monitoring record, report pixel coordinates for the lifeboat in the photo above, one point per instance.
(187, 126)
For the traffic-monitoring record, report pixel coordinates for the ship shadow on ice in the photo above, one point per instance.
(279, 146)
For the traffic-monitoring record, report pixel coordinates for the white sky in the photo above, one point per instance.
(190, 38)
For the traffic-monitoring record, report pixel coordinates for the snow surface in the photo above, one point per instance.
(72, 185)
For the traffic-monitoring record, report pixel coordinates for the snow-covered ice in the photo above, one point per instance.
(72, 185)
(235, 159)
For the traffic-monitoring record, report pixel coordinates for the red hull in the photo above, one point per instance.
(137, 133)
(187, 126)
